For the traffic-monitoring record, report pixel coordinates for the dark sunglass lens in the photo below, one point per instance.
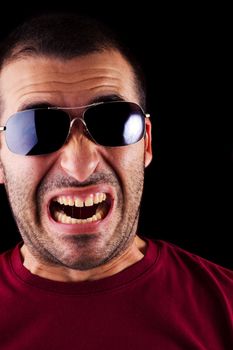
(116, 123)
(36, 132)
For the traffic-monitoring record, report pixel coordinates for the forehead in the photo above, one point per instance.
(66, 82)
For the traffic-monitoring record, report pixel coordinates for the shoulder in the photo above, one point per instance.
(183, 256)
(5, 259)
(5, 255)
(186, 265)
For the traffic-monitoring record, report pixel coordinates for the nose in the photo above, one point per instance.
(79, 157)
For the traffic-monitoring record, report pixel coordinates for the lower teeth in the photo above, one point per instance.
(61, 217)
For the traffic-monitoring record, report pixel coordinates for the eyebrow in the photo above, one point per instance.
(104, 98)
(107, 98)
(35, 105)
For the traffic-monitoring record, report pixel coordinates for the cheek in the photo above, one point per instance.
(131, 174)
(129, 157)
(22, 175)
(128, 164)
(24, 170)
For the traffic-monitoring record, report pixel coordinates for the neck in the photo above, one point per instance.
(133, 254)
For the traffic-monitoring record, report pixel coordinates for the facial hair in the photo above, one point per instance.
(80, 252)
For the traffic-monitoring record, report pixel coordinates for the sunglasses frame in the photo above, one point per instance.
(73, 120)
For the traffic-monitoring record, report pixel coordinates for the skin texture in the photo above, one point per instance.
(80, 167)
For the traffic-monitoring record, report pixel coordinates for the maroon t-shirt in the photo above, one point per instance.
(170, 300)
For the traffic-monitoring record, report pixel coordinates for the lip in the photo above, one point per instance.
(81, 228)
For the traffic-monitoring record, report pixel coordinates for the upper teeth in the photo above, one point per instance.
(78, 202)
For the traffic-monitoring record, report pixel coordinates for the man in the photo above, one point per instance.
(75, 141)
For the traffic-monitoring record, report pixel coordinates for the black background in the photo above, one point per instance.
(184, 51)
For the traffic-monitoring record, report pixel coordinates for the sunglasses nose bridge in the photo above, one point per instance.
(79, 121)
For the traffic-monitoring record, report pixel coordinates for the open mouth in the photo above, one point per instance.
(74, 210)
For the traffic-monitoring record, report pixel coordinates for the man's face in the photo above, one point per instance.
(45, 190)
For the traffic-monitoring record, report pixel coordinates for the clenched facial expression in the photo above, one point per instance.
(77, 207)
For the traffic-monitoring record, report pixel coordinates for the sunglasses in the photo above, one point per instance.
(45, 130)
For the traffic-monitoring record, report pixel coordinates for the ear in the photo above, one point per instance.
(148, 143)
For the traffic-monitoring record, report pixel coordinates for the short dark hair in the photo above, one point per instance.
(67, 36)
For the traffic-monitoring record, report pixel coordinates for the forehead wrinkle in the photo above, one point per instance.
(65, 83)
(77, 77)
(68, 87)
(38, 98)
(112, 87)
(102, 73)
(69, 91)
(106, 67)
(103, 86)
